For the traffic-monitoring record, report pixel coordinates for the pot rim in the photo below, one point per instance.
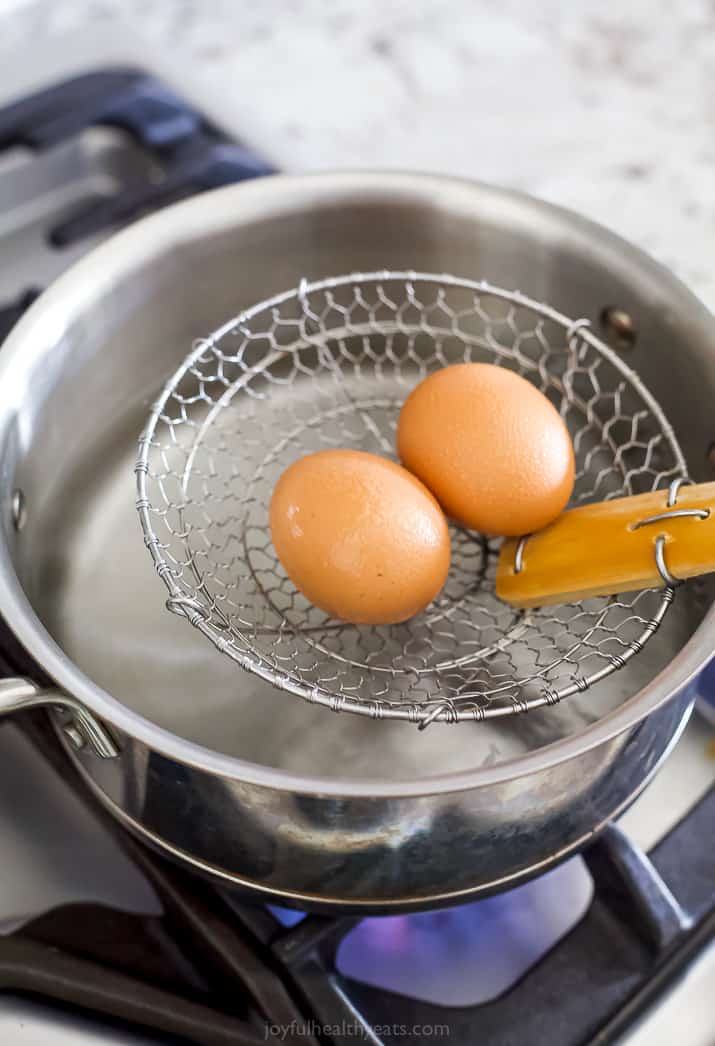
(200, 216)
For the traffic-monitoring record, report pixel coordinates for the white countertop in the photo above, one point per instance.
(598, 106)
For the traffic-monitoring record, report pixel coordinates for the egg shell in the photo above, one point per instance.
(490, 446)
(359, 536)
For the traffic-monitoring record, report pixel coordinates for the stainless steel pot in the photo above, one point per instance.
(283, 799)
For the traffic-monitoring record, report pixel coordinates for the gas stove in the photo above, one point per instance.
(101, 941)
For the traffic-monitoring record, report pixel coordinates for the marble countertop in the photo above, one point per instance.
(599, 106)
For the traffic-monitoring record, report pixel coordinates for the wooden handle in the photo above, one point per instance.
(611, 547)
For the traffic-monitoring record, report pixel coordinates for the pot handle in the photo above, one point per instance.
(18, 694)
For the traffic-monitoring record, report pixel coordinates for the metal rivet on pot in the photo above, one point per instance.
(74, 736)
(18, 508)
(619, 328)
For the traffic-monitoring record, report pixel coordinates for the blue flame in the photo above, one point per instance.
(467, 955)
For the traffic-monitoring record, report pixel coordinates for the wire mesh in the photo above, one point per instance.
(329, 365)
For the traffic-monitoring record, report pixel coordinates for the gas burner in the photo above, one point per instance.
(82, 158)
(471, 954)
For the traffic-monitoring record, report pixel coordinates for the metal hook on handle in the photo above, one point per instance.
(673, 489)
(669, 579)
(671, 512)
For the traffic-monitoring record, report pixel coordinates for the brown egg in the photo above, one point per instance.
(359, 536)
(490, 446)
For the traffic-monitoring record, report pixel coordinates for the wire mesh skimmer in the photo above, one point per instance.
(328, 364)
